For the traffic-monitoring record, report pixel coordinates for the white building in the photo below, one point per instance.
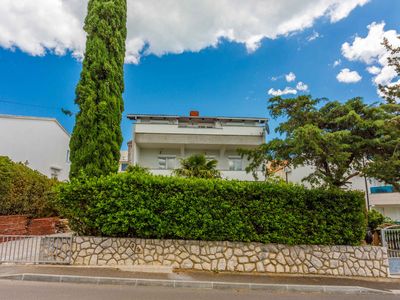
(41, 143)
(378, 195)
(382, 198)
(123, 160)
(160, 141)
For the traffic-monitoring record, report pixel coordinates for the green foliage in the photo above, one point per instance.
(24, 191)
(147, 206)
(385, 164)
(375, 218)
(137, 169)
(391, 92)
(97, 137)
(198, 166)
(386, 167)
(335, 138)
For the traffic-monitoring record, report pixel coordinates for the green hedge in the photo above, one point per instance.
(146, 206)
(24, 191)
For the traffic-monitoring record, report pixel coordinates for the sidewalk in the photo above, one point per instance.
(100, 275)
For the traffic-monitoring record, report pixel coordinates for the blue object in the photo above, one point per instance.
(382, 189)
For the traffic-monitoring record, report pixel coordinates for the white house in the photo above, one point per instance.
(160, 141)
(41, 143)
(123, 160)
(378, 195)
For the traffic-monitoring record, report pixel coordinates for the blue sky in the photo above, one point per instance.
(223, 80)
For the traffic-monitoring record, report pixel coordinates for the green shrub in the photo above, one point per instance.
(375, 218)
(24, 191)
(147, 206)
(137, 169)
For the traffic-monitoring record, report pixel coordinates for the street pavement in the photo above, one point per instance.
(18, 290)
(372, 283)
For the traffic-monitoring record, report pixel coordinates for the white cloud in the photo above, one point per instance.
(342, 9)
(370, 51)
(275, 78)
(278, 92)
(313, 36)
(374, 70)
(347, 76)
(301, 86)
(163, 26)
(290, 77)
(37, 26)
(385, 76)
(337, 62)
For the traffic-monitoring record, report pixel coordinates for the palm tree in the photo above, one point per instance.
(198, 166)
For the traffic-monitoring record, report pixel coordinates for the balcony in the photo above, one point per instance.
(384, 195)
(382, 189)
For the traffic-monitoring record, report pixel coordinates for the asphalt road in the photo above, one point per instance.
(18, 290)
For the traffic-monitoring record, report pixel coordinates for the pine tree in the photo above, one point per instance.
(340, 140)
(391, 92)
(97, 137)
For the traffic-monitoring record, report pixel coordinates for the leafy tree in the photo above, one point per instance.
(391, 92)
(386, 168)
(198, 166)
(335, 138)
(24, 191)
(375, 218)
(97, 137)
(385, 164)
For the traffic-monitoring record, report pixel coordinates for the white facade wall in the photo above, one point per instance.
(41, 142)
(393, 212)
(148, 158)
(235, 130)
(298, 174)
(123, 160)
(215, 138)
(231, 175)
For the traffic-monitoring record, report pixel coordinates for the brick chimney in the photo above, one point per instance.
(194, 113)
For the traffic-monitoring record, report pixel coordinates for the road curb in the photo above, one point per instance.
(194, 284)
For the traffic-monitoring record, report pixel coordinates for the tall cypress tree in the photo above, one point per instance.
(97, 137)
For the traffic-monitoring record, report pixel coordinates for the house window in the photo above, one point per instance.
(124, 166)
(67, 160)
(54, 172)
(235, 164)
(166, 162)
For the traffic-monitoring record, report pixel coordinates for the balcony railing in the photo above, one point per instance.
(382, 189)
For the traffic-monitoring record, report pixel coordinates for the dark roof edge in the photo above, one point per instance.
(154, 116)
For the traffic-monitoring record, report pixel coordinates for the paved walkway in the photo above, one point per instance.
(379, 284)
(22, 290)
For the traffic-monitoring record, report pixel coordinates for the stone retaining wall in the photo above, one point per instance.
(365, 261)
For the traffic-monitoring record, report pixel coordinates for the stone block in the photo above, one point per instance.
(85, 245)
(221, 266)
(270, 268)
(250, 267)
(106, 243)
(280, 258)
(280, 268)
(243, 259)
(93, 260)
(228, 253)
